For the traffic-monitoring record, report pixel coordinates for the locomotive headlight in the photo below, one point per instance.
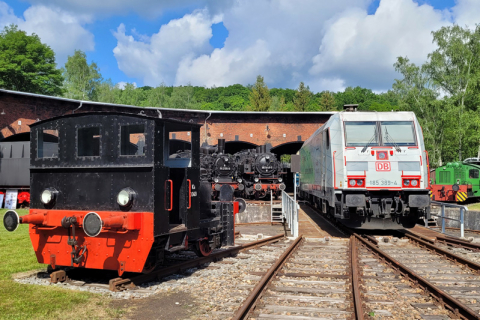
(239, 180)
(280, 179)
(125, 197)
(216, 180)
(414, 183)
(256, 180)
(359, 182)
(406, 182)
(352, 183)
(48, 196)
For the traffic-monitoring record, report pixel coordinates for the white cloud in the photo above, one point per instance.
(362, 48)
(274, 38)
(326, 44)
(467, 13)
(62, 31)
(158, 59)
(222, 67)
(7, 16)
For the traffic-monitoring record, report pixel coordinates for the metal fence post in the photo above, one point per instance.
(462, 225)
(443, 219)
(296, 219)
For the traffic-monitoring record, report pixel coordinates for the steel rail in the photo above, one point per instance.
(357, 299)
(450, 255)
(254, 296)
(455, 306)
(456, 229)
(120, 284)
(458, 243)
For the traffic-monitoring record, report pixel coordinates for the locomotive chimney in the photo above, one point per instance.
(258, 149)
(264, 148)
(221, 146)
(350, 107)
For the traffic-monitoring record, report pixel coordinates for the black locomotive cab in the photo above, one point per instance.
(112, 176)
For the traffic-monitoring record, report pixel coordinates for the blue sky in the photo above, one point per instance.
(214, 42)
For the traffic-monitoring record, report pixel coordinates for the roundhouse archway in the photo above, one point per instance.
(232, 147)
(287, 148)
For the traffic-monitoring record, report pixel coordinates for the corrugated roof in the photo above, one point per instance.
(165, 109)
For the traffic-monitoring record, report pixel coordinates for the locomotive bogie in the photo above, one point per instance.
(368, 170)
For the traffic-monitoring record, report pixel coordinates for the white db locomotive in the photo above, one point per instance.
(369, 170)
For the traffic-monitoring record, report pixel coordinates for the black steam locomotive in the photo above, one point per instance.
(252, 173)
(220, 169)
(260, 172)
(107, 193)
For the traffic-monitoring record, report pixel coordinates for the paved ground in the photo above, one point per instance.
(311, 225)
(264, 228)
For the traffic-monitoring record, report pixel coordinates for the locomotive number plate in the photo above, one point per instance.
(382, 166)
(382, 182)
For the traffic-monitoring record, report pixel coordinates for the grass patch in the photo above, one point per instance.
(19, 301)
(474, 206)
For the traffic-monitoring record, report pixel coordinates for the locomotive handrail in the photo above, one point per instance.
(290, 213)
(171, 194)
(443, 205)
(189, 194)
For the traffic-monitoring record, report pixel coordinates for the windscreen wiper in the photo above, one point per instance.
(390, 140)
(370, 141)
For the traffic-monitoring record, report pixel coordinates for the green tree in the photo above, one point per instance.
(106, 92)
(419, 94)
(278, 103)
(327, 101)
(131, 95)
(81, 79)
(183, 98)
(303, 96)
(260, 96)
(26, 64)
(157, 97)
(455, 68)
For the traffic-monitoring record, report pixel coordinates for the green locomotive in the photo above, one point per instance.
(457, 181)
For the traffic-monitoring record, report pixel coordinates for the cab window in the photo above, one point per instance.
(47, 143)
(88, 142)
(132, 140)
(473, 174)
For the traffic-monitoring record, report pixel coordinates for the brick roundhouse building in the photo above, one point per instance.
(282, 132)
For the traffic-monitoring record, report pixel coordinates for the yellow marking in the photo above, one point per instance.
(461, 196)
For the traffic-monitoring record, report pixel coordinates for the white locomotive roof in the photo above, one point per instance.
(377, 116)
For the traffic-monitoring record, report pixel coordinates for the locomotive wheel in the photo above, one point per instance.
(202, 248)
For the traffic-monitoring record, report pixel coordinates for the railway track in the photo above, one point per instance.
(311, 280)
(119, 284)
(450, 280)
(434, 236)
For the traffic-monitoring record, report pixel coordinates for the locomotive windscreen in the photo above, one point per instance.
(398, 132)
(359, 133)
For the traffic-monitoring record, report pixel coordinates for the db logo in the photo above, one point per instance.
(382, 166)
